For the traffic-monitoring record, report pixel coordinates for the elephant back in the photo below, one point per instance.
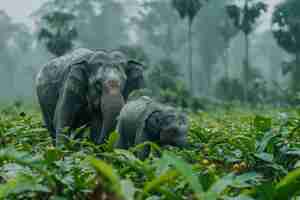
(134, 114)
(55, 70)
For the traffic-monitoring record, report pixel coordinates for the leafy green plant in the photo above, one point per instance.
(232, 154)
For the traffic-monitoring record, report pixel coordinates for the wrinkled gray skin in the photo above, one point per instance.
(87, 88)
(144, 120)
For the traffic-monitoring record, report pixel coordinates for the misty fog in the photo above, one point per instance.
(155, 33)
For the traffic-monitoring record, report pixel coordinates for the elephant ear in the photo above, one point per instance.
(135, 77)
(134, 69)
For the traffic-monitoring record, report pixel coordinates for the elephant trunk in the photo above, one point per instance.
(112, 102)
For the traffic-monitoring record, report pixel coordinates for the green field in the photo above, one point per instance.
(233, 155)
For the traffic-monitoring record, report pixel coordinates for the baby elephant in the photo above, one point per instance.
(144, 119)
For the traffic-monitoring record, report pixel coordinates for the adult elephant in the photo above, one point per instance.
(88, 88)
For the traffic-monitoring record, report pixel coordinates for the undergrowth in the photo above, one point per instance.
(232, 155)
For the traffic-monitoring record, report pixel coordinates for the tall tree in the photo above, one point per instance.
(211, 44)
(286, 30)
(188, 9)
(245, 17)
(100, 23)
(227, 33)
(58, 32)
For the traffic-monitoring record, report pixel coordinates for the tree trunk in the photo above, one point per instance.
(190, 59)
(246, 68)
(296, 74)
(226, 66)
(226, 63)
(169, 41)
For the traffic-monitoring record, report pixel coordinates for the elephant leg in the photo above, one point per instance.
(123, 142)
(47, 97)
(82, 122)
(48, 118)
(103, 136)
(67, 108)
(143, 153)
(106, 130)
(96, 126)
(71, 101)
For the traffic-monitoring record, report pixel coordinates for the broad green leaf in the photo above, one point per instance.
(265, 157)
(131, 160)
(297, 165)
(51, 155)
(262, 145)
(156, 183)
(107, 172)
(185, 170)
(22, 158)
(217, 188)
(288, 186)
(244, 180)
(262, 123)
(230, 180)
(20, 184)
(110, 143)
(140, 147)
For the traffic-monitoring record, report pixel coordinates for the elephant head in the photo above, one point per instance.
(173, 128)
(110, 82)
(133, 70)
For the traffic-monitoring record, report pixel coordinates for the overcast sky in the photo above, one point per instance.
(20, 10)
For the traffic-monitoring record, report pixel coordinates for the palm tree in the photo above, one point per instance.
(58, 32)
(188, 9)
(244, 18)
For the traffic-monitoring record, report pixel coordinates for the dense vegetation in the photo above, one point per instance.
(233, 154)
(237, 77)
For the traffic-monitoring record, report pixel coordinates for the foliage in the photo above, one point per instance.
(99, 23)
(286, 28)
(165, 82)
(286, 25)
(58, 32)
(245, 17)
(231, 155)
(188, 8)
